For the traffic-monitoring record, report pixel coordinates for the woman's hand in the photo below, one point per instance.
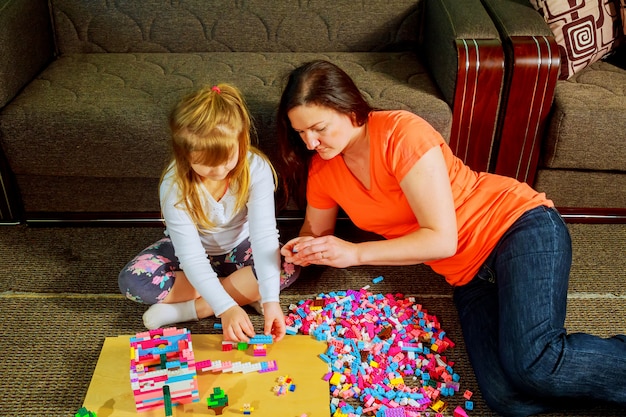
(274, 321)
(236, 325)
(290, 251)
(324, 250)
(317, 222)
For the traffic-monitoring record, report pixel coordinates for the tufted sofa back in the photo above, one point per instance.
(83, 116)
(239, 26)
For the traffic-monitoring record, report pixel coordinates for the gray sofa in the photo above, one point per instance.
(565, 136)
(86, 86)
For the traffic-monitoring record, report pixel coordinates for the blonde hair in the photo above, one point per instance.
(206, 126)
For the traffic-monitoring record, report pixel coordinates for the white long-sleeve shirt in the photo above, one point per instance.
(257, 221)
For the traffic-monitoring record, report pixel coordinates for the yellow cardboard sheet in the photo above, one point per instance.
(110, 394)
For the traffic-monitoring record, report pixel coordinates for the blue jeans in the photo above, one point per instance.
(512, 315)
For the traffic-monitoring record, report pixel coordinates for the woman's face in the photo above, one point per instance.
(322, 129)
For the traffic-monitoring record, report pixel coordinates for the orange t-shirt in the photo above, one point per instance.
(486, 204)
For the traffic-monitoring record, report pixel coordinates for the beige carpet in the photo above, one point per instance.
(59, 300)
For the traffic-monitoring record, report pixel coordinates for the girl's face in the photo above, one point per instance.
(218, 172)
(322, 129)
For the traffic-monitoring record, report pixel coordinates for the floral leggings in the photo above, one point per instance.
(149, 277)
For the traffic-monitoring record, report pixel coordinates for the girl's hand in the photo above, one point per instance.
(326, 250)
(274, 320)
(236, 325)
(291, 253)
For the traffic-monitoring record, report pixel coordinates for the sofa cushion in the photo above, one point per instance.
(105, 115)
(580, 188)
(587, 128)
(53, 194)
(585, 30)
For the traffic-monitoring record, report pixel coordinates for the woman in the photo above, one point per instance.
(501, 244)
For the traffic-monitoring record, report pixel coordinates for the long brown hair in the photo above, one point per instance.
(207, 126)
(324, 84)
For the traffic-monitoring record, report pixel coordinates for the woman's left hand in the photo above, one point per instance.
(327, 250)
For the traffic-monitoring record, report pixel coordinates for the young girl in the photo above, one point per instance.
(221, 249)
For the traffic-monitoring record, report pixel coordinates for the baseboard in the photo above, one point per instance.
(154, 219)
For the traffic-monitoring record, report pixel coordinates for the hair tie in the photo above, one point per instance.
(216, 89)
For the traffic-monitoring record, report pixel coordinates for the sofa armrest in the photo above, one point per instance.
(462, 46)
(532, 69)
(516, 18)
(26, 44)
(26, 47)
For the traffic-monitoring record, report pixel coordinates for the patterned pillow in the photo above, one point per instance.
(585, 30)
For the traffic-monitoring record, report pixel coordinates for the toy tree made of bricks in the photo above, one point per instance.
(218, 400)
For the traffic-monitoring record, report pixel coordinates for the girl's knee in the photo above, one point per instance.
(123, 280)
(147, 278)
(144, 288)
(127, 286)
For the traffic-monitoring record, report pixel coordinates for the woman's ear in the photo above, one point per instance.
(353, 119)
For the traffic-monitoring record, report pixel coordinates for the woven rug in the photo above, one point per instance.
(59, 300)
